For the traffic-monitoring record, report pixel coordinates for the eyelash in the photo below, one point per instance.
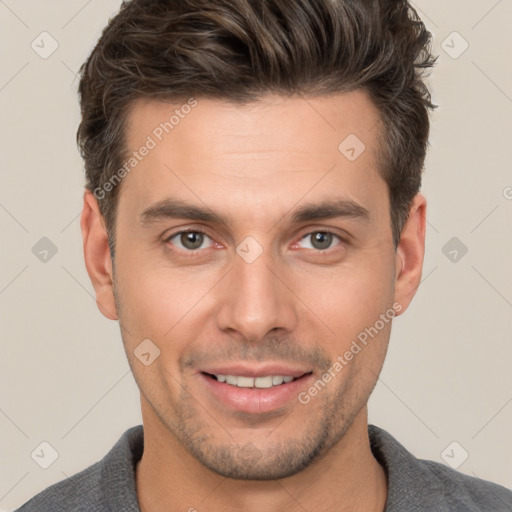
(195, 253)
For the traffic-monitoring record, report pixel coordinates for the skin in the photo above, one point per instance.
(255, 165)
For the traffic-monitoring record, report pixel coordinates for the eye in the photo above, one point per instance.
(190, 240)
(320, 240)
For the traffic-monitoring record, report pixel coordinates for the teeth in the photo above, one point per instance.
(231, 379)
(254, 382)
(244, 382)
(263, 382)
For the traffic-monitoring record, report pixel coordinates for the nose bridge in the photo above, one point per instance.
(255, 299)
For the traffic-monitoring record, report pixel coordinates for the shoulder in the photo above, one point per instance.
(80, 492)
(107, 485)
(417, 484)
(465, 490)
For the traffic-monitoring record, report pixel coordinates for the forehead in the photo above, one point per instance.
(273, 150)
(211, 120)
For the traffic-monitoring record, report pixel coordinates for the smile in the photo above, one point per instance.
(263, 382)
(259, 394)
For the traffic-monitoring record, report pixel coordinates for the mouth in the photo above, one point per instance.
(262, 382)
(267, 391)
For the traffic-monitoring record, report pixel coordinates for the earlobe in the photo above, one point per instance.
(97, 255)
(410, 253)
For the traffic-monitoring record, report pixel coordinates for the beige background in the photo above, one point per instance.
(64, 378)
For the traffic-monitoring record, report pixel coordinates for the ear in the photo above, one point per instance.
(97, 255)
(410, 253)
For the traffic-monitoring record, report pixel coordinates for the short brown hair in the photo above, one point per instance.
(239, 50)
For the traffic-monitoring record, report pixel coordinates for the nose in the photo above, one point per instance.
(256, 299)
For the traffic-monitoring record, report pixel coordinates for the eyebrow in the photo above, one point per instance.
(331, 209)
(176, 209)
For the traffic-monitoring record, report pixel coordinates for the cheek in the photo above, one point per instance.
(157, 302)
(160, 310)
(350, 298)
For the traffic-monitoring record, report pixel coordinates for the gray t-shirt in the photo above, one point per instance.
(413, 484)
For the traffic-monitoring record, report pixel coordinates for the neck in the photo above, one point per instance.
(347, 478)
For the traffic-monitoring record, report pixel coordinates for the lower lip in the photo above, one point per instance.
(255, 400)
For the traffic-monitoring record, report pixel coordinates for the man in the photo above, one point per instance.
(253, 220)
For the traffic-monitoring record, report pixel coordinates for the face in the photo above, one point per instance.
(251, 247)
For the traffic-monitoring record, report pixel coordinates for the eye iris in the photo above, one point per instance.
(191, 240)
(322, 240)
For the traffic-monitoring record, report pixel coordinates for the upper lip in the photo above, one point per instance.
(244, 370)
